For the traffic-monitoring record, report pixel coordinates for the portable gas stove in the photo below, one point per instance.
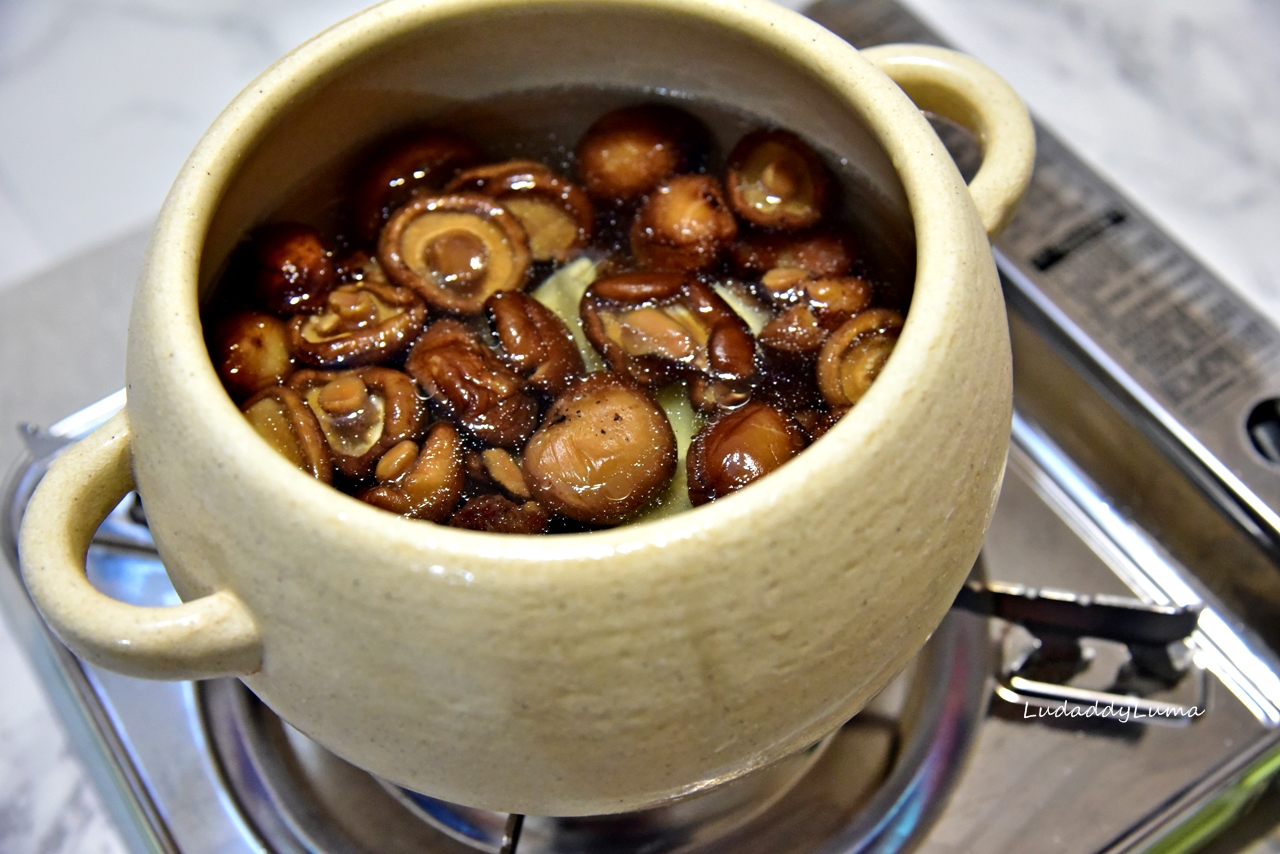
(1108, 681)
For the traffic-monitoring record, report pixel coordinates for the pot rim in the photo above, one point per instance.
(945, 222)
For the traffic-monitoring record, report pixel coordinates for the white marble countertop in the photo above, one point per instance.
(1176, 101)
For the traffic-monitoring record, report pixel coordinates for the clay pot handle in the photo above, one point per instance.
(960, 88)
(206, 637)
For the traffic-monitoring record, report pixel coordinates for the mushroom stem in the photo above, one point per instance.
(350, 415)
(344, 396)
(458, 257)
(779, 181)
(353, 306)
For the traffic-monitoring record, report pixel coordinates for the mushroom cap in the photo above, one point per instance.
(557, 215)
(795, 330)
(813, 308)
(419, 161)
(660, 326)
(820, 251)
(251, 352)
(456, 250)
(836, 299)
(535, 341)
(293, 269)
(684, 224)
(775, 180)
(466, 381)
(391, 319)
(627, 152)
(429, 487)
(604, 451)
(739, 448)
(284, 420)
(394, 400)
(853, 356)
(498, 514)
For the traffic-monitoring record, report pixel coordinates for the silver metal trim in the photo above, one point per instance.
(1233, 654)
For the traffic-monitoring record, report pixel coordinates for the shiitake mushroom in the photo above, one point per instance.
(684, 224)
(814, 308)
(739, 448)
(855, 354)
(836, 299)
(363, 413)
(465, 380)
(496, 514)
(660, 326)
(421, 483)
(459, 238)
(557, 216)
(535, 341)
(628, 152)
(283, 419)
(421, 162)
(605, 449)
(775, 180)
(503, 469)
(794, 330)
(820, 251)
(365, 322)
(251, 352)
(456, 251)
(294, 269)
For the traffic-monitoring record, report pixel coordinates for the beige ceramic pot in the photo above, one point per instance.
(585, 673)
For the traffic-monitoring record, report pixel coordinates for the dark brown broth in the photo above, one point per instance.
(546, 126)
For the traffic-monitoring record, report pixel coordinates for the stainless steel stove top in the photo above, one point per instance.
(1142, 468)
(952, 757)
